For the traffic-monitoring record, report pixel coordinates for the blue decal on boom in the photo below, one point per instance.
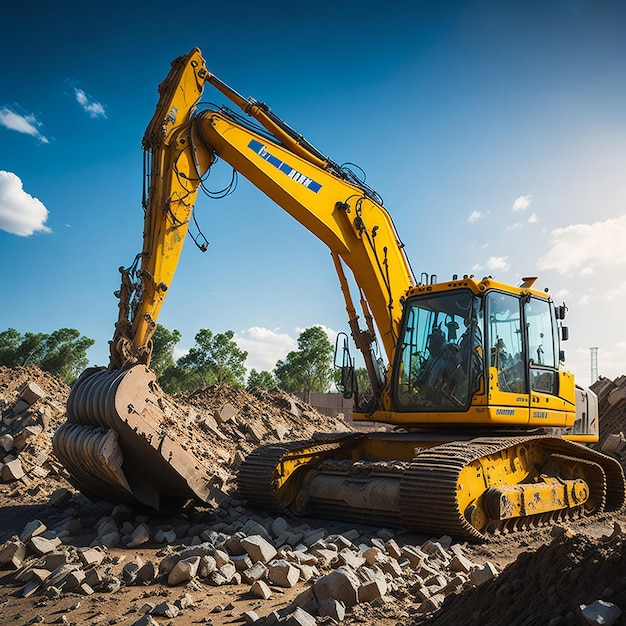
(264, 153)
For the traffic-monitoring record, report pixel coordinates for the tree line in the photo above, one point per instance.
(215, 358)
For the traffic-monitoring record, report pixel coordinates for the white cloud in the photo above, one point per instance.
(498, 263)
(582, 248)
(27, 124)
(264, 346)
(614, 294)
(20, 213)
(332, 334)
(522, 203)
(476, 215)
(533, 218)
(89, 105)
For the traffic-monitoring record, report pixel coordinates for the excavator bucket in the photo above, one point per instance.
(119, 444)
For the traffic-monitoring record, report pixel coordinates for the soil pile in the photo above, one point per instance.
(546, 586)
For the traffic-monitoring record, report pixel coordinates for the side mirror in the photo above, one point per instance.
(560, 312)
(564, 333)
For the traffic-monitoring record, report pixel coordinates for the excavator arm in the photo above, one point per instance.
(172, 176)
(330, 202)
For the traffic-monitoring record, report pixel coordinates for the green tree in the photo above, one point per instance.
(62, 352)
(260, 380)
(163, 343)
(309, 368)
(177, 379)
(216, 359)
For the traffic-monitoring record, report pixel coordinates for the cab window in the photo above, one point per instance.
(505, 342)
(542, 346)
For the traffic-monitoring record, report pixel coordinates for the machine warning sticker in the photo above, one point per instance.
(264, 153)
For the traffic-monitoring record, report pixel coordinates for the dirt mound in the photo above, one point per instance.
(220, 425)
(12, 379)
(545, 586)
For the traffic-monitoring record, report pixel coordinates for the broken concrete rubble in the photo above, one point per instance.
(417, 578)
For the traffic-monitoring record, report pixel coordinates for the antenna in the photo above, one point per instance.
(594, 364)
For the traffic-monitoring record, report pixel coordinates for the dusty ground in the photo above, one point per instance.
(548, 575)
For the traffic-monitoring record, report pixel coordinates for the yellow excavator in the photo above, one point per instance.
(485, 431)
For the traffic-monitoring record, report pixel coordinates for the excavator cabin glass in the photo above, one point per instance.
(440, 361)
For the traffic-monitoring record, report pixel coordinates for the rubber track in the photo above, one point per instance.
(257, 477)
(428, 487)
(428, 491)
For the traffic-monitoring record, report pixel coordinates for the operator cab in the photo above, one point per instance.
(456, 344)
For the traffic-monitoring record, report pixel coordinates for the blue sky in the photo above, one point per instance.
(494, 131)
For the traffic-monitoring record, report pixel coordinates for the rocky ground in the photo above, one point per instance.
(67, 560)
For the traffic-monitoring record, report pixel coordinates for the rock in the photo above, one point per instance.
(184, 570)
(459, 563)
(614, 444)
(72, 580)
(414, 556)
(258, 548)
(129, 571)
(225, 413)
(256, 572)
(601, 612)
(165, 536)
(310, 537)
(260, 589)
(30, 392)
(280, 431)
(299, 618)
(207, 566)
(6, 442)
(348, 557)
(332, 608)
(12, 471)
(91, 556)
(146, 574)
(483, 574)
(373, 588)
(60, 497)
(25, 435)
(42, 545)
(249, 617)
(283, 574)
(140, 535)
(341, 585)
(167, 609)
(110, 540)
(146, 620)
(13, 552)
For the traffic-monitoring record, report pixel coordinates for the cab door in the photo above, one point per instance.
(509, 398)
